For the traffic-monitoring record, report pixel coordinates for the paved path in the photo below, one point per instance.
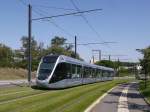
(4, 83)
(124, 98)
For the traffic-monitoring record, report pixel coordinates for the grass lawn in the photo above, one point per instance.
(145, 91)
(76, 99)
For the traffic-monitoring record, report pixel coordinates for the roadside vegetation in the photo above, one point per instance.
(17, 58)
(13, 62)
(122, 68)
(76, 99)
(145, 91)
(14, 73)
(145, 63)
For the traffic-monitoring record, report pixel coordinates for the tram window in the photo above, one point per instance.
(90, 72)
(85, 75)
(79, 70)
(105, 73)
(44, 70)
(84, 72)
(75, 73)
(68, 70)
(73, 69)
(87, 72)
(61, 72)
(111, 74)
(98, 73)
(93, 72)
(108, 73)
(102, 73)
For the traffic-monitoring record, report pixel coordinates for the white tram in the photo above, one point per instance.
(63, 71)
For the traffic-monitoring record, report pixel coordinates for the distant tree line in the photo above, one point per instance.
(121, 68)
(18, 58)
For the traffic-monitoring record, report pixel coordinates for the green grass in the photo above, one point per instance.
(76, 99)
(145, 91)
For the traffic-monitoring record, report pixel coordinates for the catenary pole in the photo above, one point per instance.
(29, 43)
(109, 57)
(99, 55)
(75, 46)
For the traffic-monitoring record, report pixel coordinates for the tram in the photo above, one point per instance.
(60, 71)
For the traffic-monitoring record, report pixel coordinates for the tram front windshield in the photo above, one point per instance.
(46, 67)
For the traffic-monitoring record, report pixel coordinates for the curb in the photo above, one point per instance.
(98, 100)
(145, 99)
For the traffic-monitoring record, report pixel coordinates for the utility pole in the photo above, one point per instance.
(29, 43)
(109, 57)
(118, 66)
(93, 59)
(99, 55)
(99, 52)
(75, 47)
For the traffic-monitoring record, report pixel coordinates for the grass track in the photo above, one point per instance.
(13, 89)
(75, 99)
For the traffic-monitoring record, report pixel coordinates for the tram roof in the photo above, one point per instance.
(79, 62)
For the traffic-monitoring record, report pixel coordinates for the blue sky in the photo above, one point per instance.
(126, 22)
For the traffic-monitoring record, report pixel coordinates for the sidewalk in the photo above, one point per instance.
(124, 98)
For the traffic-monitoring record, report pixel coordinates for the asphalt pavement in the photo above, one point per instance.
(124, 98)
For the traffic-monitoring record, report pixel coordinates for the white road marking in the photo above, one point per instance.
(123, 101)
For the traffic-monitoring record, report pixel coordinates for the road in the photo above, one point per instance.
(124, 98)
(4, 83)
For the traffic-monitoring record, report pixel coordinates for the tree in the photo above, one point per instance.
(145, 62)
(6, 56)
(58, 41)
(59, 47)
(37, 51)
(106, 63)
(34, 46)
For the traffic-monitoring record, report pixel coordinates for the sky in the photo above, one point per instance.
(126, 22)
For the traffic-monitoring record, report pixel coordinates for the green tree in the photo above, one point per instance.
(6, 56)
(58, 41)
(59, 47)
(145, 62)
(106, 63)
(37, 51)
(34, 46)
